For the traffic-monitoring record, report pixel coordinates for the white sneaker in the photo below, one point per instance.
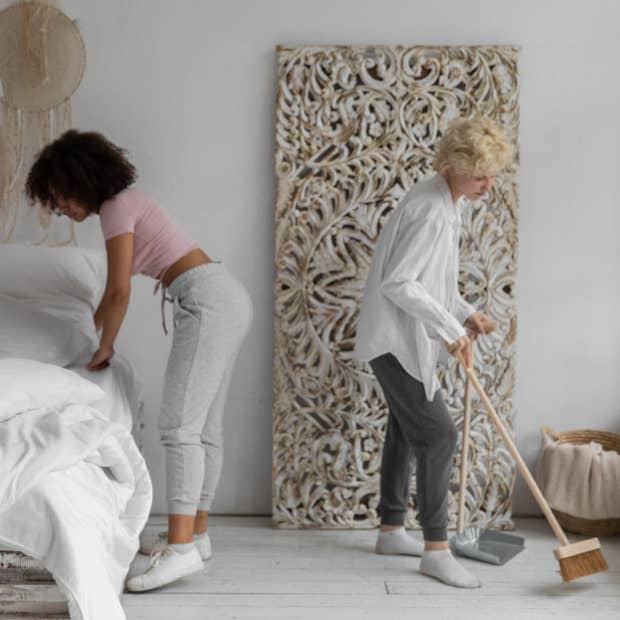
(167, 565)
(150, 545)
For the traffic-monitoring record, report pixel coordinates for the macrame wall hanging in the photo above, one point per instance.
(42, 60)
(355, 128)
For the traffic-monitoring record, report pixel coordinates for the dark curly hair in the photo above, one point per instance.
(83, 166)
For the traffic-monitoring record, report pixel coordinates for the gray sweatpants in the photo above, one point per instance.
(419, 428)
(212, 314)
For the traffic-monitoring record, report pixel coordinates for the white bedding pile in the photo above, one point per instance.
(74, 490)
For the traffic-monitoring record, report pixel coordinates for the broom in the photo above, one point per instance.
(577, 559)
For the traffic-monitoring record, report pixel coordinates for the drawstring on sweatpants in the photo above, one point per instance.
(164, 298)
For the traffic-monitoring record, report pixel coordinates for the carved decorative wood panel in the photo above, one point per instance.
(356, 127)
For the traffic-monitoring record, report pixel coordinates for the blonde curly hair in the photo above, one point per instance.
(473, 146)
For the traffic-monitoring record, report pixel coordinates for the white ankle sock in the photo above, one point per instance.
(183, 548)
(398, 542)
(442, 565)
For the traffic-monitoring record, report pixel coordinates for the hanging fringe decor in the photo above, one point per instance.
(42, 61)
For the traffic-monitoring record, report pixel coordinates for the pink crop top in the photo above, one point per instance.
(158, 241)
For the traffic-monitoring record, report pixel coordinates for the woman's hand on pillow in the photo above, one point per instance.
(101, 358)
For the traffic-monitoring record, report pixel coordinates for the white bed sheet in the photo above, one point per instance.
(118, 381)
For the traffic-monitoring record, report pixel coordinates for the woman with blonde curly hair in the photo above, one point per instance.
(411, 308)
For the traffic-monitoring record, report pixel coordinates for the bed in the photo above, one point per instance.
(76, 487)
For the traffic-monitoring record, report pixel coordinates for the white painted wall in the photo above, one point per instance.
(188, 88)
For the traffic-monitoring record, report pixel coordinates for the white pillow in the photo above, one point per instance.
(27, 384)
(65, 282)
(70, 311)
(34, 272)
(29, 332)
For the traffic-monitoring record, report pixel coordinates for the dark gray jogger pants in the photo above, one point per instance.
(417, 428)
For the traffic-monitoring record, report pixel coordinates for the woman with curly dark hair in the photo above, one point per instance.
(83, 174)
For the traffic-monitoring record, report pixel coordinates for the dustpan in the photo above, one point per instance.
(486, 545)
(474, 542)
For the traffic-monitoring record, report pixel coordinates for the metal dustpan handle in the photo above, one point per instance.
(525, 472)
(464, 455)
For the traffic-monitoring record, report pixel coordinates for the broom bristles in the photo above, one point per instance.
(581, 559)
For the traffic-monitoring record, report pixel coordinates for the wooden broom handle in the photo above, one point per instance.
(464, 454)
(525, 472)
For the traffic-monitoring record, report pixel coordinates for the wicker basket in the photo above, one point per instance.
(572, 523)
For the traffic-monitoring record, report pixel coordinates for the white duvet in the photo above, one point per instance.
(74, 493)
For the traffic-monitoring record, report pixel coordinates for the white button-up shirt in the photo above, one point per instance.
(411, 301)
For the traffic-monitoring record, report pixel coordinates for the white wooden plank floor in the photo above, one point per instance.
(261, 573)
